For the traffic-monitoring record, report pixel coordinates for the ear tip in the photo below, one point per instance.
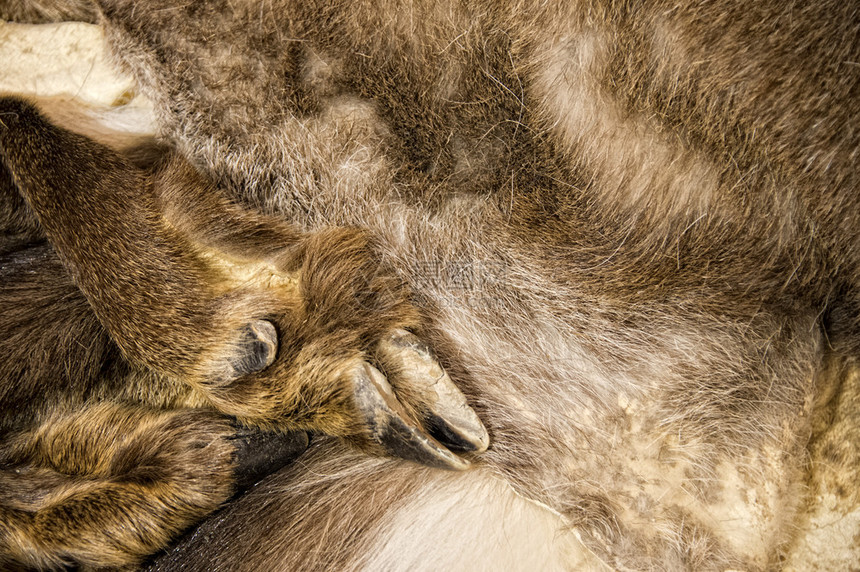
(14, 111)
(13, 104)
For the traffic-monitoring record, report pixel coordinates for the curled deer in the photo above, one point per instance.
(594, 257)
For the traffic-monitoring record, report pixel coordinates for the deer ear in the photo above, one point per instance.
(58, 172)
(92, 204)
(140, 275)
(16, 218)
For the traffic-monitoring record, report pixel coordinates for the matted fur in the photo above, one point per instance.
(632, 230)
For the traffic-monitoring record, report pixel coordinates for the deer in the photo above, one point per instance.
(597, 253)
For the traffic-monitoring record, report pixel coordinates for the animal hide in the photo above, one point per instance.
(631, 230)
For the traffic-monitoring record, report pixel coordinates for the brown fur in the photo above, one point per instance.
(632, 228)
(180, 329)
(94, 469)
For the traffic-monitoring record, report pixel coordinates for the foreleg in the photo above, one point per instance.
(110, 484)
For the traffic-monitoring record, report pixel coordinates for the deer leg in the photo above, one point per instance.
(110, 484)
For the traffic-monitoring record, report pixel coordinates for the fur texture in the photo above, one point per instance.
(194, 292)
(631, 230)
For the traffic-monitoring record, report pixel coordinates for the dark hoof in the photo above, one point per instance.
(259, 454)
(257, 348)
(445, 411)
(391, 427)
